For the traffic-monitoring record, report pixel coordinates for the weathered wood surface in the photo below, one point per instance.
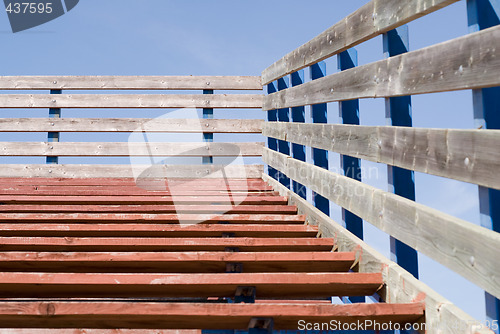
(468, 249)
(465, 155)
(468, 62)
(120, 149)
(66, 207)
(61, 244)
(118, 314)
(228, 199)
(143, 218)
(130, 82)
(106, 229)
(441, 316)
(125, 171)
(127, 183)
(176, 262)
(130, 101)
(130, 125)
(199, 285)
(375, 18)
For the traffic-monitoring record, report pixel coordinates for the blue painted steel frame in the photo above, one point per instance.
(299, 116)
(349, 114)
(272, 116)
(284, 116)
(484, 14)
(401, 181)
(320, 157)
(53, 136)
(208, 113)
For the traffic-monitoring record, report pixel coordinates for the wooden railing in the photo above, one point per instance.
(59, 99)
(468, 62)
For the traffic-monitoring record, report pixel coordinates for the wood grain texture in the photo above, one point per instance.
(130, 125)
(375, 18)
(61, 244)
(107, 229)
(198, 285)
(468, 249)
(143, 218)
(130, 82)
(208, 315)
(120, 149)
(441, 316)
(130, 101)
(176, 262)
(468, 62)
(125, 171)
(465, 155)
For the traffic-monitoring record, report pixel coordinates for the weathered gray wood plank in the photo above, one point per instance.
(130, 101)
(441, 316)
(468, 249)
(468, 62)
(128, 171)
(465, 155)
(121, 149)
(130, 82)
(375, 18)
(130, 125)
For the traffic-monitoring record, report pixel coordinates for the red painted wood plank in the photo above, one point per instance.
(56, 244)
(176, 262)
(119, 191)
(165, 200)
(118, 285)
(147, 208)
(156, 230)
(131, 182)
(148, 218)
(208, 316)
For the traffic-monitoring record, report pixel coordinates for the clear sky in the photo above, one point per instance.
(228, 37)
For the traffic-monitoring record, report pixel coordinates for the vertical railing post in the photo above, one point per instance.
(208, 113)
(351, 167)
(272, 116)
(401, 181)
(349, 114)
(284, 116)
(484, 14)
(320, 157)
(298, 116)
(53, 136)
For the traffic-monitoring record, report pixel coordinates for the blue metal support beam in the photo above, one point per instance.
(320, 157)
(272, 116)
(298, 116)
(284, 116)
(401, 181)
(53, 136)
(208, 113)
(483, 14)
(349, 114)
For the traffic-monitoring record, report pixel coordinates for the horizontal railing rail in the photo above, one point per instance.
(468, 62)
(142, 146)
(465, 155)
(130, 82)
(130, 124)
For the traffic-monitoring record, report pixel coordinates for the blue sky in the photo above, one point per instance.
(161, 37)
